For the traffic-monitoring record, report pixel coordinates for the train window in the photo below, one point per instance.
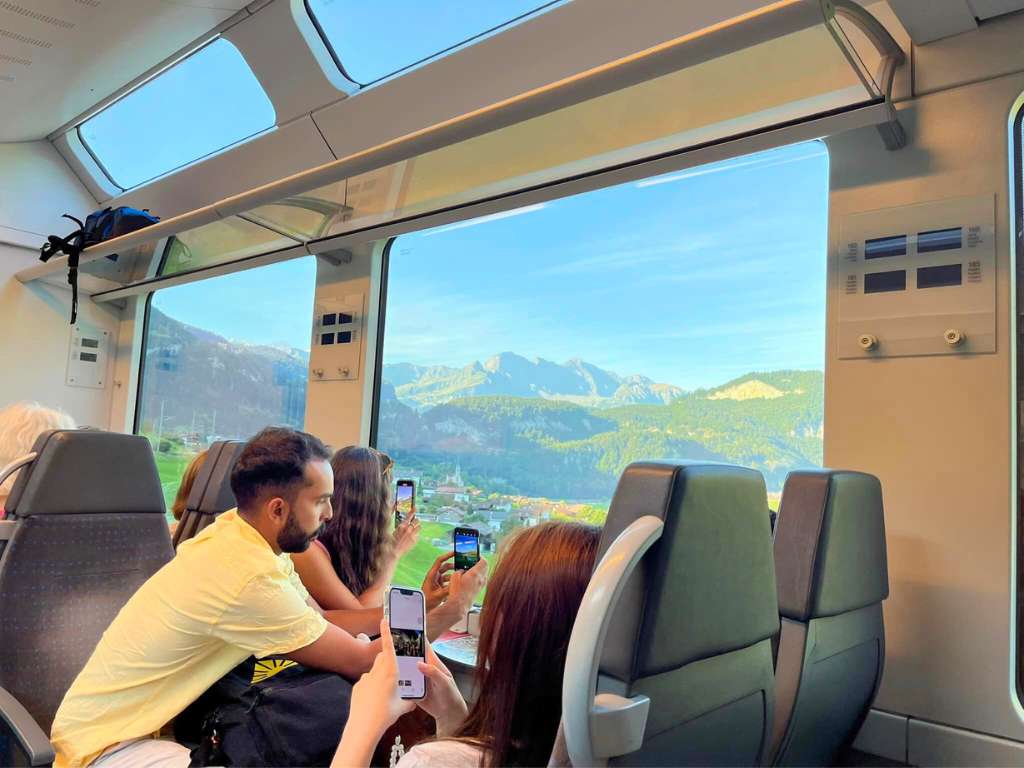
(371, 41)
(529, 356)
(223, 358)
(204, 103)
(1017, 171)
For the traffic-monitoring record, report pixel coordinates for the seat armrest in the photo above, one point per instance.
(26, 731)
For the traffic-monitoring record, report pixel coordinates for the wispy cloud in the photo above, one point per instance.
(628, 258)
(485, 219)
(723, 167)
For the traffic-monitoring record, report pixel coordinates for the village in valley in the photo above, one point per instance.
(454, 502)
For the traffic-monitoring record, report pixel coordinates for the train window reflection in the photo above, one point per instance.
(371, 41)
(529, 356)
(222, 359)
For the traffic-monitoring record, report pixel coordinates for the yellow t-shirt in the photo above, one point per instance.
(224, 597)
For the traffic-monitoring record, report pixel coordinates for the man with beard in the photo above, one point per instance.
(229, 593)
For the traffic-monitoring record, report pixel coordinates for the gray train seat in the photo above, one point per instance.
(670, 661)
(830, 564)
(87, 528)
(211, 493)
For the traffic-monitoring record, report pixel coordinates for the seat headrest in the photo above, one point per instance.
(199, 485)
(212, 492)
(88, 471)
(830, 554)
(707, 586)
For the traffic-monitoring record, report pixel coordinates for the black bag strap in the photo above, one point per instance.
(71, 245)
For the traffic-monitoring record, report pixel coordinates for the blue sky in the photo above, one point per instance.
(154, 129)
(372, 44)
(691, 278)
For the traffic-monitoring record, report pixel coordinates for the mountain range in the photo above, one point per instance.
(512, 424)
(543, 444)
(512, 375)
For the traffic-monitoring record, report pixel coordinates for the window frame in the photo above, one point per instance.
(378, 363)
(593, 181)
(1016, 191)
(135, 87)
(140, 385)
(544, 7)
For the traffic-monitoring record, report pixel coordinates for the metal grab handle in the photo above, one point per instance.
(17, 464)
(599, 727)
(26, 731)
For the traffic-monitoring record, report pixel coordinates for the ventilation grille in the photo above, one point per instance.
(90, 3)
(18, 37)
(53, 21)
(15, 59)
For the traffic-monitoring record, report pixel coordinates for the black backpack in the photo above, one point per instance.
(99, 226)
(270, 712)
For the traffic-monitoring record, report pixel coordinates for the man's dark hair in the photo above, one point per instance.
(274, 460)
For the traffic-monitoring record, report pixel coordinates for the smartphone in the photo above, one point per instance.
(406, 610)
(404, 495)
(467, 548)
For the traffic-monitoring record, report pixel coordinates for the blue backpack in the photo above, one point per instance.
(114, 222)
(100, 225)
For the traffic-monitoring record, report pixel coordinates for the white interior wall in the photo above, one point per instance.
(35, 343)
(36, 187)
(936, 430)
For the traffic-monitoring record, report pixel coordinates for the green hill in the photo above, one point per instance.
(771, 421)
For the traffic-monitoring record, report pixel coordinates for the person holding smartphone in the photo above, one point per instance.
(353, 560)
(532, 603)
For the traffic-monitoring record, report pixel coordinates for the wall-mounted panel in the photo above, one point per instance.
(918, 279)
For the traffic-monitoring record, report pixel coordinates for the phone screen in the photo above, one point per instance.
(467, 548)
(405, 614)
(403, 498)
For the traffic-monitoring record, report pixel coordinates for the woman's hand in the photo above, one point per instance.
(466, 585)
(442, 700)
(375, 705)
(406, 534)
(435, 583)
(375, 699)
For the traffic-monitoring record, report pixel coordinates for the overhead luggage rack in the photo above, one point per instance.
(790, 71)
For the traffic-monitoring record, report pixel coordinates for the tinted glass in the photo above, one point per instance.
(202, 104)
(224, 358)
(531, 355)
(373, 40)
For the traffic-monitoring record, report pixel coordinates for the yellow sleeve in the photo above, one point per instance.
(293, 577)
(270, 616)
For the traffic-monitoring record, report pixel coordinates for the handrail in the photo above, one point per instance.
(893, 58)
(621, 719)
(26, 731)
(715, 40)
(17, 464)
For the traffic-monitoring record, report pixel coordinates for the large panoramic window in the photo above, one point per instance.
(371, 41)
(529, 356)
(202, 104)
(224, 358)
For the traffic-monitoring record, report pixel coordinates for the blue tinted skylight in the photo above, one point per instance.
(202, 104)
(371, 40)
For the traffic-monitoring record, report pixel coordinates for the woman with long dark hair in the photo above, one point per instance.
(532, 601)
(353, 560)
